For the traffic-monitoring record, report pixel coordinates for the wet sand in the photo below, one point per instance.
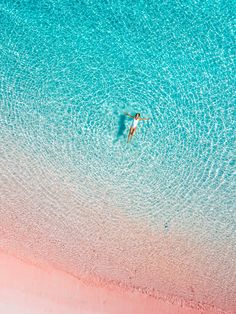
(26, 288)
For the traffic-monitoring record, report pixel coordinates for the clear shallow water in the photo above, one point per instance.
(69, 69)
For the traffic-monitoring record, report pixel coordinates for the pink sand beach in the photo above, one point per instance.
(61, 254)
(28, 289)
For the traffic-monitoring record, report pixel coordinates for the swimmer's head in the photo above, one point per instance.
(137, 115)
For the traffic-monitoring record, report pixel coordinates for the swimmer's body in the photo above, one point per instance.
(133, 127)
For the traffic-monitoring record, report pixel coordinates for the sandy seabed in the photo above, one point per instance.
(45, 218)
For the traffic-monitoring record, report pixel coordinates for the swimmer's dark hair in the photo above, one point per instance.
(137, 114)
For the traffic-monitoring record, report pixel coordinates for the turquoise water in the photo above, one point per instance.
(69, 69)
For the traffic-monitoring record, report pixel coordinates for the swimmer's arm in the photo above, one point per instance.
(129, 115)
(144, 118)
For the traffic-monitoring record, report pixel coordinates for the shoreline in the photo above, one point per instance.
(50, 290)
(79, 245)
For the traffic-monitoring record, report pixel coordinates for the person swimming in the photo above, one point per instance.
(134, 125)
